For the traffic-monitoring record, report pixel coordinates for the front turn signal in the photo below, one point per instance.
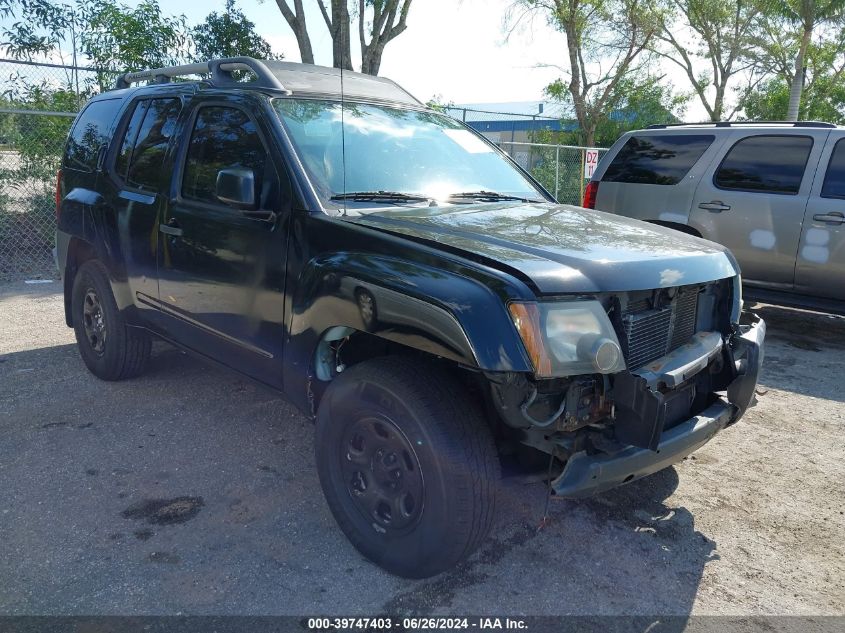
(526, 318)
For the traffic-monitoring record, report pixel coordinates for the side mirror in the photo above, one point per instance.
(236, 187)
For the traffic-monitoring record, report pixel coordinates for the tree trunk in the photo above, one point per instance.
(579, 102)
(371, 59)
(304, 43)
(341, 47)
(389, 21)
(718, 104)
(797, 86)
(296, 21)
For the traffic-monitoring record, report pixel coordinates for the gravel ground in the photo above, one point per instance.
(189, 490)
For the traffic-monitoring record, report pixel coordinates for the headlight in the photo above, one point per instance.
(568, 338)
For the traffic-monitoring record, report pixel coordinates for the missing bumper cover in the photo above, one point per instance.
(586, 474)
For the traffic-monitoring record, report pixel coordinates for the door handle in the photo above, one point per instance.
(831, 218)
(716, 206)
(264, 215)
(171, 228)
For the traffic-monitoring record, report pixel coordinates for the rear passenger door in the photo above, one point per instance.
(753, 200)
(139, 166)
(820, 270)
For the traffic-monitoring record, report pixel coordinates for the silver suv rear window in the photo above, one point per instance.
(657, 160)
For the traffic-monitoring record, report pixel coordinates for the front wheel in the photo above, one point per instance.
(407, 465)
(109, 347)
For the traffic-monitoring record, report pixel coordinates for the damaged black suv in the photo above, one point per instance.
(404, 283)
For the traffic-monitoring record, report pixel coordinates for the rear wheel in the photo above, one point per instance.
(109, 347)
(408, 467)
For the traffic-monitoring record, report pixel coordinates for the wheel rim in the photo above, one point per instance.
(94, 322)
(367, 307)
(382, 474)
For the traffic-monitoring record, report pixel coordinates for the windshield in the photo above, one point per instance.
(399, 151)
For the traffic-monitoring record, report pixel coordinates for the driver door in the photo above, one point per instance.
(221, 264)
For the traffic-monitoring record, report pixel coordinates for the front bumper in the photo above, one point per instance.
(747, 351)
(585, 475)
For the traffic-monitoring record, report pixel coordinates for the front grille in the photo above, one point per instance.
(654, 332)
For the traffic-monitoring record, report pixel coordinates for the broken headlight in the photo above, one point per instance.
(568, 338)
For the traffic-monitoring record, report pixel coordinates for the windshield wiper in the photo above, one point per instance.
(379, 196)
(489, 196)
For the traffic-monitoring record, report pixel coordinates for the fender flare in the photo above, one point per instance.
(463, 319)
(85, 218)
(439, 312)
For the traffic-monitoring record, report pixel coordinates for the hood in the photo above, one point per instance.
(562, 248)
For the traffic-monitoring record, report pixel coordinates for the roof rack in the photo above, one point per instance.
(220, 71)
(822, 124)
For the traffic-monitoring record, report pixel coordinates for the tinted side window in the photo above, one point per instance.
(771, 164)
(145, 168)
(129, 136)
(657, 160)
(834, 179)
(222, 138)
(90, 133)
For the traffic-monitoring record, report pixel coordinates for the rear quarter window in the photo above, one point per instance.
(765, 164)
(657, 160)
(90, 133)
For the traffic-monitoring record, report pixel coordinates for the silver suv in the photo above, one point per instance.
(774, 193)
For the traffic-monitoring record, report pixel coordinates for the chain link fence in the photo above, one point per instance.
(37, 107)
(562, 169)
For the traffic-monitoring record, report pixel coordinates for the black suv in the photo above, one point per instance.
(404, 283)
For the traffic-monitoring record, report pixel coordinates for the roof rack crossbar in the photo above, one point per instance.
(819, 124)
(220, 71)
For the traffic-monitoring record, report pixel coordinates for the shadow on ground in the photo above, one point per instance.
(192, 490)
(803, 351)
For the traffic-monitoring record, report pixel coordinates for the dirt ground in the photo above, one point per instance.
(189, 490)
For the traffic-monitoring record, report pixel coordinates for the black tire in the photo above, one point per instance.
(109, 347)
(415, 411)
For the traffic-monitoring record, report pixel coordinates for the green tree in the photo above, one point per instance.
(39, 27)
(645, 102)
(808, 16)
(710, 41)
(119, 38)
(607, 42)
(823, 94)
(229, 34)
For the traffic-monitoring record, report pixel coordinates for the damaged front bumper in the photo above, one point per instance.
(646, 408)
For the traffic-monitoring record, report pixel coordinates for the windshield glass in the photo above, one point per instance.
(395, 150)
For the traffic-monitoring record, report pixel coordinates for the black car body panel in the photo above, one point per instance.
(274, 289)
(564, 249)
